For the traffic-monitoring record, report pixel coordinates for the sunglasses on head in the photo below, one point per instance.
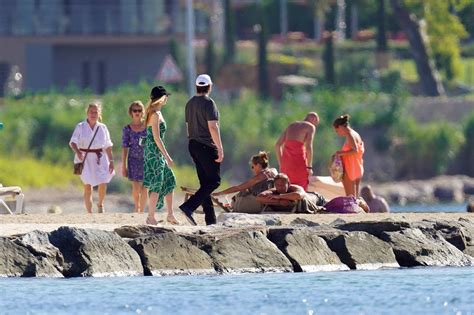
(137, 110)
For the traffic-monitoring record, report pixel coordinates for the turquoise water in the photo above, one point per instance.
(395, 291)
(437, 207)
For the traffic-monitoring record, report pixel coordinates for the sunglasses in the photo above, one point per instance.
(139, 110)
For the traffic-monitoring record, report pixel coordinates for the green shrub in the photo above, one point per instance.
(466, 154)
(427, 151)
(32, 173)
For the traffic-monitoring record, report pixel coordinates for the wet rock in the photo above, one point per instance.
(171, 254)
(412, 247)
(37, 242)
(90, 252)
(243, 251)
(17, 261)
(245, 219)
(306, 251)
(133, 231)
(360, 250)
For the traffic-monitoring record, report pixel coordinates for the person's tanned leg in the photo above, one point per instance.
(102, 190)
(143, 197)
(136, 188)
(152, 200)
(356, 187)
(348, 185)
(88, 197)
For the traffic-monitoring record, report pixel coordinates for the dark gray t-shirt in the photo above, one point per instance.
(200, 110)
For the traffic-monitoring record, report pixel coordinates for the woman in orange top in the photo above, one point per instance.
(351, 155)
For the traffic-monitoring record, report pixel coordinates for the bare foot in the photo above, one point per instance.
(172, 220)
(151, 221)
(100, 208)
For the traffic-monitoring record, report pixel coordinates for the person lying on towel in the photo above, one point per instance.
(290, 198)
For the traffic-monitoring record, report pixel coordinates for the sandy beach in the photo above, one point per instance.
(19, 224)
(119, 209)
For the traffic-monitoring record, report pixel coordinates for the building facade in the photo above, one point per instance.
(90, 44)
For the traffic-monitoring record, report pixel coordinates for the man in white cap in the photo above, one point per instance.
(205, 147)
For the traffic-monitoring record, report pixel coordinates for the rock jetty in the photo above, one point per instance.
(238, 244)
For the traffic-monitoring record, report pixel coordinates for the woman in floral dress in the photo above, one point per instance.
(133, 136)
(158, 176)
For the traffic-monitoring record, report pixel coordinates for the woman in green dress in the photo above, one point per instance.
(158, 176)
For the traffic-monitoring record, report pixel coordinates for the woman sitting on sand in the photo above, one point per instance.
(245, 201)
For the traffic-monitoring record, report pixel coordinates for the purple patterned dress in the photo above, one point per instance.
(131, 140)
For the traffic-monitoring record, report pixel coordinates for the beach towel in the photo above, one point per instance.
(343, 204)
(294, 164)
(353, 163)
(336, 169)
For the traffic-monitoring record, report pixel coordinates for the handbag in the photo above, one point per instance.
(336, 168)
(78, 167)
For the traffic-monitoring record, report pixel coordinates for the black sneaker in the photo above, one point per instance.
(188, 215)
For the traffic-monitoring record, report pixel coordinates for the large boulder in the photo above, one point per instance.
(246, 219)
(458, 233)
(171, 254)
(37, 242)
(238, 251)
(412, 247)
(90, 252)
(452, 192)
(467, 228)
(360, 250)
(306, 251)
(17, 261)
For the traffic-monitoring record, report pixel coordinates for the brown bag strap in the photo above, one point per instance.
(92, 140)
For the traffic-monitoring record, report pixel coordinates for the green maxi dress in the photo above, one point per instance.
(158, 176)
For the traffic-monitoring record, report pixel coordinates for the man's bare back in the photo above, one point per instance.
(296, 161)
(299, 131)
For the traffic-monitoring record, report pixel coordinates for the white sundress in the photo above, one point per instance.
(95, 171)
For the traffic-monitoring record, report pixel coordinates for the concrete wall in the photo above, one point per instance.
(119, 64)
(39, 62)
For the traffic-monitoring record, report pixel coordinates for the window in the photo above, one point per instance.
(101, 74)
(86, 75)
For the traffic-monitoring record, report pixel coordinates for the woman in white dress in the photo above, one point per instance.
(99, 164)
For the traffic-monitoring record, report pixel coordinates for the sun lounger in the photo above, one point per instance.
(191, 191)
(11, 193)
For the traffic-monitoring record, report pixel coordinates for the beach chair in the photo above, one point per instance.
(11, 193)
(191, 191)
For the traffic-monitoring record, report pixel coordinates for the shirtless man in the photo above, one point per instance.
(294, 150)
(375, 203)
(284, 196)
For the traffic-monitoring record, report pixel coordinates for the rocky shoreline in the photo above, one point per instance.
(240, 243)
(455, 189)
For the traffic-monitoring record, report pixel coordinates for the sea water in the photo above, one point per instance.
(435, 207)
(426, 290)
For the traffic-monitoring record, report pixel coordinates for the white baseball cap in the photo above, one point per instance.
(203, 80)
